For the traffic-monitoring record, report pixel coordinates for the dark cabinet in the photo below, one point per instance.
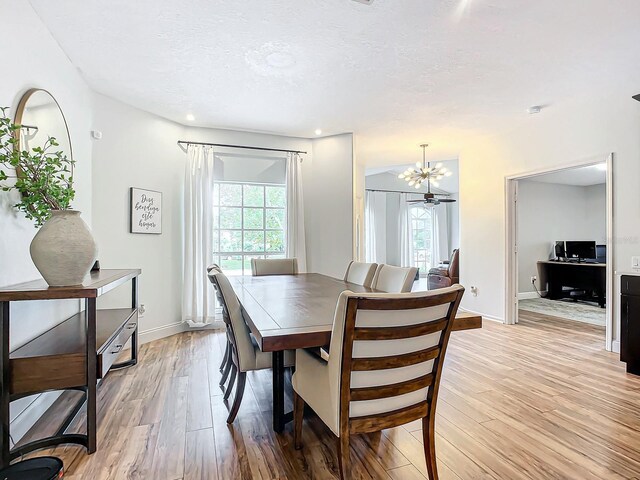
(630, 323)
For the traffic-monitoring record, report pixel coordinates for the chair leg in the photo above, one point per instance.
(225, 358)
(242, 378)
(232, 379)
(227, 368)
(298, 415)
(343, 455)
(429, 439)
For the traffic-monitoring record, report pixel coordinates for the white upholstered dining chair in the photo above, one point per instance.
(391, 279)
(384, 367)
(360, 273)
(245, 354)
(274, 266)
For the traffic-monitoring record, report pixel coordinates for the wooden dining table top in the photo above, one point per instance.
(287, 312)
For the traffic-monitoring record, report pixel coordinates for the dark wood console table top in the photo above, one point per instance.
(73, 355)
(96, 284)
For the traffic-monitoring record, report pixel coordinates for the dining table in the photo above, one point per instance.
(287, 312)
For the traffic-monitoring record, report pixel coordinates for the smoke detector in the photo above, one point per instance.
(366, 2)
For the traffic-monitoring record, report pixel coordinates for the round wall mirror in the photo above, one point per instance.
(40, 117)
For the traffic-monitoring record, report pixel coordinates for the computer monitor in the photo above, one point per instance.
(601, 253)
(580, 250)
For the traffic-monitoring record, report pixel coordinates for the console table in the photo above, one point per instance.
(73, 355)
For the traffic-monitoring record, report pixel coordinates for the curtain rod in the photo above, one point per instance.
(417, 192)
(186, 142)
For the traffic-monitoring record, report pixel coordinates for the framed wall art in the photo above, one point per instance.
(146, 211)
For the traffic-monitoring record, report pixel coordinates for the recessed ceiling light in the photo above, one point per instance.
(534, 109)
(318, 131)
(190, 117)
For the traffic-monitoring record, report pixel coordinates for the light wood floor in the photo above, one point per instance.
(538, 400)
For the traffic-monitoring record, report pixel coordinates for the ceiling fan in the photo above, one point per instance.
(424, 173)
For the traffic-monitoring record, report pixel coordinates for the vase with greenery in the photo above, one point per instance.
(63, 250)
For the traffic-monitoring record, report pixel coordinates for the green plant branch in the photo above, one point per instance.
(41, 174)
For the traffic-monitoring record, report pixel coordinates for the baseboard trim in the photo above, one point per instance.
(483, 315)
(615, 346)
(156, 333)
(530, 295)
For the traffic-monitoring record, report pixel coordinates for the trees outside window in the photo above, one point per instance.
(249, 222)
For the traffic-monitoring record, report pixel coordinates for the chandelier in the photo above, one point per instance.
(424, 172)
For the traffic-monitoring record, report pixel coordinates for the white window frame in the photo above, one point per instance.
(242, 253)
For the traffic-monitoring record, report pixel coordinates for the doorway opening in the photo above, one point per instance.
(559, 248)
(401, 228)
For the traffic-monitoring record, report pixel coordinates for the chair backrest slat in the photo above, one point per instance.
(377, 422)
(397, 333)
(400, 388)
(394, 361)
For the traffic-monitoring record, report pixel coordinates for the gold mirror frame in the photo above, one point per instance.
(22, 104)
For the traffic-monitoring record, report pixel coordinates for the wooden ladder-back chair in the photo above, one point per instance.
(384, 367)
(245, 354)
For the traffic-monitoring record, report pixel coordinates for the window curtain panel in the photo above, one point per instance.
(375, 219)
(198, 299)
(439, 234)
(296, 245)
(405, 231)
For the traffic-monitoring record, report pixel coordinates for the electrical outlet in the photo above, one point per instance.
(534, 279)
(474, 291)
(141, 310)
(635, 262)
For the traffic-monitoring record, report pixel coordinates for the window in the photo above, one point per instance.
(421, 238)
(249, 222)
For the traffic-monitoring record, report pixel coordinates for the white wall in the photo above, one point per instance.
(548, 212)
(329, 205)
(138, 149)
(34, 60)
(562, 134)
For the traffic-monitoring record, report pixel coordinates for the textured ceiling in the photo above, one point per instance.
(396, 72)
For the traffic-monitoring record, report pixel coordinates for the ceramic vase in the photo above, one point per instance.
(64, 250)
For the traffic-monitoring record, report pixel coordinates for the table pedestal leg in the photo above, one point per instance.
(278, 391)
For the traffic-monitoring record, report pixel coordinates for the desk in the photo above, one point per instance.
(587, 276)
(286, 312)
